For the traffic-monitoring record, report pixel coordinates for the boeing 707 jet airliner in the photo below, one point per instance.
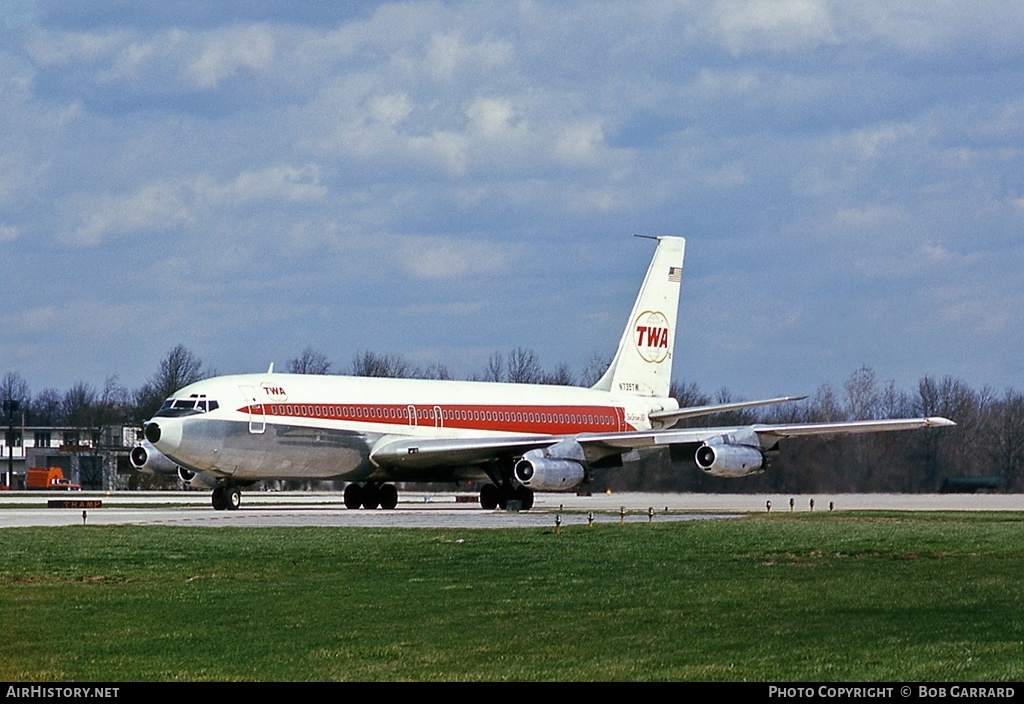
(229, 432)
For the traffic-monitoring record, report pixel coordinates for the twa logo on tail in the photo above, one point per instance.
(651, 335)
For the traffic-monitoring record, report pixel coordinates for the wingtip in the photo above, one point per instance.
(939, 422)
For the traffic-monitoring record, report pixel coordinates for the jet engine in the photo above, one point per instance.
(146, 458)
(729, 456)
(559, 467)
(196, 479)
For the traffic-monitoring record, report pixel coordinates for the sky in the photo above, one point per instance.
(447, 180)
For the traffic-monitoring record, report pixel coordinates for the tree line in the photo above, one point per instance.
(988, 440)
(987, 444)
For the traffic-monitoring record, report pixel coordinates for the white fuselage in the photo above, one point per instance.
(285, 426)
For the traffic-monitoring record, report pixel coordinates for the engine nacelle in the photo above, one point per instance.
(146, 458)
(560, 467)
(196, 479)
(727, 460)
(549, 475)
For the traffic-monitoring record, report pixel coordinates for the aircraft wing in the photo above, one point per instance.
(404, 451)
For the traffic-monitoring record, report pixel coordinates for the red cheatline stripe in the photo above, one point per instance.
(511, 418)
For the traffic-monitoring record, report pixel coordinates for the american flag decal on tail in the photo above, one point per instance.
(675, 274)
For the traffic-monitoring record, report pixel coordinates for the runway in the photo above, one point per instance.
(449, 510)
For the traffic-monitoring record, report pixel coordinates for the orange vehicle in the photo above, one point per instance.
(52, 478)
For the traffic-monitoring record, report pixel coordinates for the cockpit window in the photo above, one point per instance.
(187, 406)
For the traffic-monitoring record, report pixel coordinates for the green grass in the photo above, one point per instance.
(799, 597)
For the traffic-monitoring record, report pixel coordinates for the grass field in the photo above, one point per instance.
(798, 597)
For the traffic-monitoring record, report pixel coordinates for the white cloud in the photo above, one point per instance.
(580, 143)
(274, 183)
(224, 53)
(66, 48)
(443, 148)
(869, 216)
(429, 257)
(448, 56)
(157, 207)
(390, 109)
(81, 319)
(973, 310)
(186, 202)
(8, 233)
(494, 118)
(778, 26)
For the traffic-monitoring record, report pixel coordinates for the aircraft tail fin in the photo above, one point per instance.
(643, 363)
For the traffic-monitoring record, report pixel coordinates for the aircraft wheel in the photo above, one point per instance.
(232, 498)
(525, 497)
(489, 497)
(371, 496)
(504, 495)
(219, 502)
(388, 496)
(353, 496)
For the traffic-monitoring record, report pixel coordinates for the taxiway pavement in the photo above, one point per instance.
(448, 510)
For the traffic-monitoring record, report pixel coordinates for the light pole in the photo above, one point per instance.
(10, 408)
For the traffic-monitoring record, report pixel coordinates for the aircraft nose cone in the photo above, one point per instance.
(152, 432)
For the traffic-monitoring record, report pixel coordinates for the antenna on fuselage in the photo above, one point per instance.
(271, 370)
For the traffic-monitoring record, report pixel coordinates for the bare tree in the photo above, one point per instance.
(309, 362)
(78, 406)
(561, 375)
(523, 367)
(825, 406)
(436, 371)
(594, 369)
(389, 365)
(688, 394)
(114, 402)
(178, 369)
(863, 399)
(45, 408)
(495, 369)
(13, 387)
(1004, 421)
(951, 452)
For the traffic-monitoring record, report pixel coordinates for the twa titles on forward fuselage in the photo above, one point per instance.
(231, 431)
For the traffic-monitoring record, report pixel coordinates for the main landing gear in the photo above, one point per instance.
(227, 498)
(371, 495)
(503, 492)
(492, 497)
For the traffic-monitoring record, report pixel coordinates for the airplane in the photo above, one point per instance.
(229, 432)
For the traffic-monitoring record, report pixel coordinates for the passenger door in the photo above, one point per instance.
(257, 415)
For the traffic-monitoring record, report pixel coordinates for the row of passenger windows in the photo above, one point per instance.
(429, 414)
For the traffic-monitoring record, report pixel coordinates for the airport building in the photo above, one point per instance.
(93, 458)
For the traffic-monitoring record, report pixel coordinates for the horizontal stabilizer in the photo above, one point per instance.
(670, 418)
